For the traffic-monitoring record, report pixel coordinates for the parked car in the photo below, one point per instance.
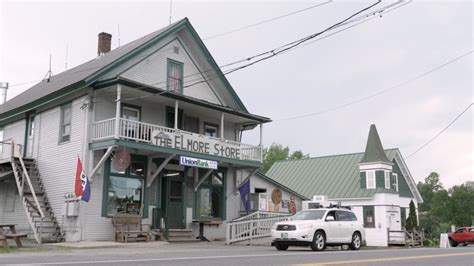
(319, 228)
(463, 235)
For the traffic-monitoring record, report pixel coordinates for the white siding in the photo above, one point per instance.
(153, 70)
(11, 207)
(57, 162)
(257, 182)
(15, 131)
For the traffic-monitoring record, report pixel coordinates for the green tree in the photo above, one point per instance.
(277, 152)
(412, 221)
(461, 205)
(427, 189)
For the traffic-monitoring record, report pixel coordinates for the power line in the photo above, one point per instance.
(380, 92)
(441, 132)
(267, 21)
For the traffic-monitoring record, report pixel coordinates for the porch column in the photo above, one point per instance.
(175, 114)
(222, 125)
(261, 133)
(117, 111)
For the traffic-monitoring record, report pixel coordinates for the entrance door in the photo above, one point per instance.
(30, 133)
(172, 187)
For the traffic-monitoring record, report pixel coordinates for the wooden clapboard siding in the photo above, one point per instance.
(17, 214)
(153, 71)
(15, 131)
(57, 161)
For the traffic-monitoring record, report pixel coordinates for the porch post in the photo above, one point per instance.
(175, 114)
(261, 133)
(117, 111)
(222, 125)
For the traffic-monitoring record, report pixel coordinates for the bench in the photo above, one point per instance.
(16, 237)
(127, 227)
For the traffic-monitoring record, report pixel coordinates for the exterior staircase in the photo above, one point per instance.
(35, 201)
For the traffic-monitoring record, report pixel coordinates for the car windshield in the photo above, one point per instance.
(309, 215)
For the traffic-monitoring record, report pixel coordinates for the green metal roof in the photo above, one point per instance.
(374, 151)
(335, 176)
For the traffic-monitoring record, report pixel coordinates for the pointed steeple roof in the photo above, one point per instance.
(374, 150)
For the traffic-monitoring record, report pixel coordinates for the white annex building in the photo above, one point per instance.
(376, 184)
(157, 127)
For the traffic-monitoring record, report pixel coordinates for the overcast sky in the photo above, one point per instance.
(350, 65)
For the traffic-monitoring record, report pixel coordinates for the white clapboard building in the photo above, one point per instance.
(157, 127)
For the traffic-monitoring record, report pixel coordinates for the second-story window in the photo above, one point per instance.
(174, 76)
(66, 117)
(211, 130)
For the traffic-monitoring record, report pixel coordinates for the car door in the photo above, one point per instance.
(346, 225)
(333, 234)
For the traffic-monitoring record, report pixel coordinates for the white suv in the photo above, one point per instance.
(319, 228)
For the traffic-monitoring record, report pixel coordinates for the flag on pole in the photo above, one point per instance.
(82, 187)
(244, 190)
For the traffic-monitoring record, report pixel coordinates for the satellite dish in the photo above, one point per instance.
(121, 160)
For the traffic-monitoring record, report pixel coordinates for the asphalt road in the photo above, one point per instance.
(218, 254)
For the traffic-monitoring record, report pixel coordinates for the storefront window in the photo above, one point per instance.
(124, 191)
(210, 197)
(125, 195)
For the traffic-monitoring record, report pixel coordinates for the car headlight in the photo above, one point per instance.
(305, 226)
(274, 227)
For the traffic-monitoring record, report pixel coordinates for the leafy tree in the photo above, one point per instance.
(461, 205)
(277, 152)
(427, 189)
(412, 221)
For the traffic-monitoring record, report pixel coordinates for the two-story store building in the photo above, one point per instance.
(158, 129)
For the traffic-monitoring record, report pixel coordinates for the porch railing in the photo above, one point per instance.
(248, 229)
(144, 132)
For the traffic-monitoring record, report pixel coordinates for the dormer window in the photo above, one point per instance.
(174, 80)
(370, 179)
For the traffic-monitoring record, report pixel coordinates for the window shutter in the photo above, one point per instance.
(363, 180)
(380, 179)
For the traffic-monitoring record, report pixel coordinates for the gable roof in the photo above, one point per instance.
(374, 151)
(89, 72)
(274, 182)
(335, 176)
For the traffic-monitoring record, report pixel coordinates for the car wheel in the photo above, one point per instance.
(280, 246)
(356, 241)
(319, 241)
(453, 243)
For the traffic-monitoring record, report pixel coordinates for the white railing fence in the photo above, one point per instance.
(251, 228)
(144, 132)
(261, 215)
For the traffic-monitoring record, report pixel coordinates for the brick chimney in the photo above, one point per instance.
(105, 40)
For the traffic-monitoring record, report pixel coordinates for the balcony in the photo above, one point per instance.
(172, 139)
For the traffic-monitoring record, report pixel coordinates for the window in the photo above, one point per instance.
(210, 197)
(130, 113)
(124, 192)
(66, 117)
(174, 79)
(345, 216)
(403, 216)
(211, 130)
(370, 179)
(369, 216)
(31, 125)
(387, 180)
(394, 181)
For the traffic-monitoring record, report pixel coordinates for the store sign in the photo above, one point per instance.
(195, 162)
(196, 143)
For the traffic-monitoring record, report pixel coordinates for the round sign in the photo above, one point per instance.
(276, 196)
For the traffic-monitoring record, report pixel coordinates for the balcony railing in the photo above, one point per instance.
(174, 138)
